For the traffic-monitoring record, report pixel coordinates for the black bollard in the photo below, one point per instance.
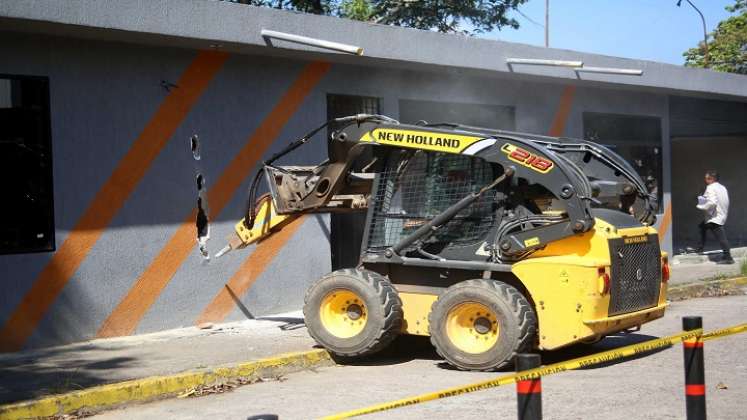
(694, 370)
(529, 391)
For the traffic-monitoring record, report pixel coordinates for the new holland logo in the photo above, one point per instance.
(635, 239)
(436, 141)
(528, 159)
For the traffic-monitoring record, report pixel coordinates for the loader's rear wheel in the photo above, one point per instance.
(353, 313)
(482, 324)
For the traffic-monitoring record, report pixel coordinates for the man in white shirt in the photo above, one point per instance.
(715, 206)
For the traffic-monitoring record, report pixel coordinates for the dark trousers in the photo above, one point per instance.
(718, 232)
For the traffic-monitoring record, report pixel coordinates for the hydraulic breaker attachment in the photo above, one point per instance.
(266, 222)
(292, 188)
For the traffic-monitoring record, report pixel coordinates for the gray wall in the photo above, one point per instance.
(103, 94)
(707, 134)
(694, 156)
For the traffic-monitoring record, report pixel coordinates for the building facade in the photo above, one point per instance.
(128, 129)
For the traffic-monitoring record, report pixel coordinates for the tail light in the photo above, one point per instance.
(665, 270)
(603, 282)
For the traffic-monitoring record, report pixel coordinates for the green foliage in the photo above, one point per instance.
(447, 16)
(356, 10)
(466, 16)
(727, 45)
(319, 7)
(743, 268)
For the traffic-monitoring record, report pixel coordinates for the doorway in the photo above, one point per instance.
(346, 230)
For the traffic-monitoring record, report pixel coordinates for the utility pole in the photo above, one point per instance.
(547, 23)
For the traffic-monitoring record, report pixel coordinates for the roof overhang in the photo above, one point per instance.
(205, 24)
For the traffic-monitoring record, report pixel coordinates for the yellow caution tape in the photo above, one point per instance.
(737, 329)
(581, 362)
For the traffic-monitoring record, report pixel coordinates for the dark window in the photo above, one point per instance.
(636, 138)
(344, 105)
(346, 230)
(27, 209)
(478, 115)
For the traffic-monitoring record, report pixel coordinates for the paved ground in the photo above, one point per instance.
(66, 368)
(60, 369)
(649, 387)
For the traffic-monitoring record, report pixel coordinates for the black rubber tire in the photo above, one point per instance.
(515, 315)
(383, 305)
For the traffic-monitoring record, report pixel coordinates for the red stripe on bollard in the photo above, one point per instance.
(533, 386)
(694, 389)
(692, 344)
(529, 391)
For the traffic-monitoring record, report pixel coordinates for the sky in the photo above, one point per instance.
(655, 30)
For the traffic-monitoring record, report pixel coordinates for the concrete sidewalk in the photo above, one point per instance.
(695, 268)
(56, 370)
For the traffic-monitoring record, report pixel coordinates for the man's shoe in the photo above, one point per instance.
(725, 261)
(691, 250)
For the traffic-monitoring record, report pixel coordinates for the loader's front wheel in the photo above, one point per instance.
(481, 324)
(352, 312)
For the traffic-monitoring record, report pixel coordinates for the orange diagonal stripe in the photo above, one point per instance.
(109, 199)
(254, 265)
(127, 315)
(564, 109)
(665, 222)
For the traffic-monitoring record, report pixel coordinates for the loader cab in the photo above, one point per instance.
(414, 187)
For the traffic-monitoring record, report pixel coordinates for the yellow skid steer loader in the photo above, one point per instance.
(490, 242)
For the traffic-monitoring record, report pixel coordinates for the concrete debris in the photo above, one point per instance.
(725, 287)
(221, 387)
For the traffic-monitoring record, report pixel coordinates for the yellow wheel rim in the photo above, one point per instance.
(343, 313)
(472, 327)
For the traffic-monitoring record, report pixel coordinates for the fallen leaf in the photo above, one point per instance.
(187, 393)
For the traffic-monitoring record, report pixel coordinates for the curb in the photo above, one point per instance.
(156, 387)
(686, 290)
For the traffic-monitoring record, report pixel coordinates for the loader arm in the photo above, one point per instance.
(538, 167)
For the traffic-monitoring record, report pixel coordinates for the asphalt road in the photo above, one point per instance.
(648, 387)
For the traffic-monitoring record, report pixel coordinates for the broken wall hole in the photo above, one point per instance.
(194, 145)
(200, 183)
(202, 222)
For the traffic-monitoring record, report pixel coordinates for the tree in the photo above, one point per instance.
(466, 16)
(447, 15)
(318, 7)
(727, 46)
(356, 10)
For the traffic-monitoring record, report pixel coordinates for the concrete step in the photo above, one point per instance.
(708, 256)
